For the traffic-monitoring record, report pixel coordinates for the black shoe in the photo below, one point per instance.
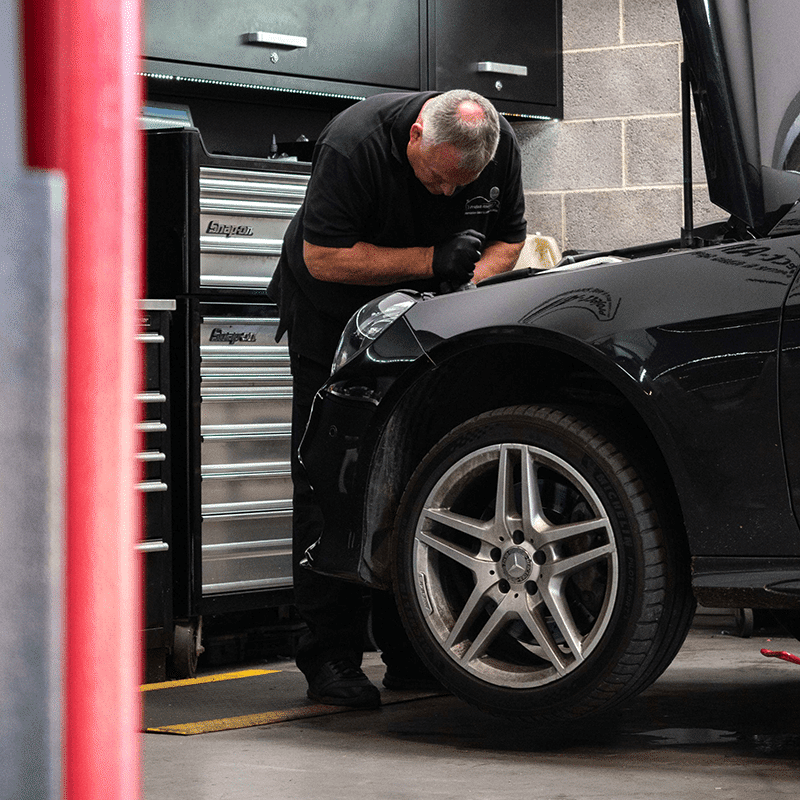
(411, 681)
(342, 683)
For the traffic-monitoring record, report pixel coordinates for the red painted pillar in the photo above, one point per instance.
(82, 99)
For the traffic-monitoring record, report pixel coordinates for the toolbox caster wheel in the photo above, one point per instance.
(745, 619)
(186, 649)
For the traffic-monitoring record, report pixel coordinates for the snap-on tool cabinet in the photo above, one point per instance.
(214, 231)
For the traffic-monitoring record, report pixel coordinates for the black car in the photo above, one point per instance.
(551, 469)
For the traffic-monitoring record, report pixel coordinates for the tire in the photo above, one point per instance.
(745, 622)
(544, 615)
(186, 650)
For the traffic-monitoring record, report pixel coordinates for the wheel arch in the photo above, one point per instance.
(481, 374)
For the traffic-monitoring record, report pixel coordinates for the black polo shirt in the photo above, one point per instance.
(363, 189)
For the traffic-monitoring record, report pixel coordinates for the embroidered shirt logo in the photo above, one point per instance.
(483, 205)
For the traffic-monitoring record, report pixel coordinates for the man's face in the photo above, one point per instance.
(437, 167)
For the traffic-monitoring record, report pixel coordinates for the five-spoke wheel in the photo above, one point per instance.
(531, 567)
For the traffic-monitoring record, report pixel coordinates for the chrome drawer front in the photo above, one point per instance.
(243, 217)
(235, 444)
(286, 184)
(245, 509)
(241, 409)
(240, 337)
(238, 483)
(235, 229)
(219, 360)
(247, 551)
(246, 546)
(227, 271)
(240, 268)
(223, 374)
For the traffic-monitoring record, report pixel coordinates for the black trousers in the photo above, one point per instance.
(335, 611)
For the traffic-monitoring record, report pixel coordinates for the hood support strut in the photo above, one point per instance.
(687, 231)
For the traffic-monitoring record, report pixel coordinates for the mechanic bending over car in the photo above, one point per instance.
(418, 190)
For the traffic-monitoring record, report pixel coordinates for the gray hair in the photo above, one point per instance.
(441, 122)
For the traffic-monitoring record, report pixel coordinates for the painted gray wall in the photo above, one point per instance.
(610, 173)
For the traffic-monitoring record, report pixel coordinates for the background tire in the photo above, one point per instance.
(186, 650)
(537, 570)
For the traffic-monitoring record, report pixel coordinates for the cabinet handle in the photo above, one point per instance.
(152, 546)
(150, 338)
(152, 486)
(502, 69)
(275, 39)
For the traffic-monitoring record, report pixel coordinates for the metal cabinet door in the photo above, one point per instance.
(505, 49)
(363, 41)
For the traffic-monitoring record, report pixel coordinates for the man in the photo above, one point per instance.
(419, 190)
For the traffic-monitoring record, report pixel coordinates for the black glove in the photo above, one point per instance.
(454, 259)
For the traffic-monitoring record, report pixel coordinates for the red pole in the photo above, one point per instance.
(83, 98)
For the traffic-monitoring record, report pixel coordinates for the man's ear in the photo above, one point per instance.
(416, 131)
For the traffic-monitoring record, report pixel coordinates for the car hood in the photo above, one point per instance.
(744, 65)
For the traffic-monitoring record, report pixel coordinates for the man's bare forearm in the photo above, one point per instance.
(497, 257)
(368, 264)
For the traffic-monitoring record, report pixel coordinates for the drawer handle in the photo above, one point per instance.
(150, 338)
(157, 546)
(275, 39)
(502, 69)
(151, 397)
(152, 486)
(151, 455)
(151, 426)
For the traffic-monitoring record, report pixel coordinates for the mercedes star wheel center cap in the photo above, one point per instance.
(517, 565)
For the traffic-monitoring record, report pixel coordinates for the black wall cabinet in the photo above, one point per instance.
(360, 41)
(509, 50)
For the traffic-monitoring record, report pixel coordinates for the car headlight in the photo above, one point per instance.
(369, 322)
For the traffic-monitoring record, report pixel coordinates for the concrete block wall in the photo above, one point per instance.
(610, 173)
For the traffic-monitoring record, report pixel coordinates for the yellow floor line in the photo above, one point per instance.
(225, 676)
(248, 720)
(270, 717)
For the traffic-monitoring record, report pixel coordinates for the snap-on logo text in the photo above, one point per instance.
(228, 230)
(231, 337)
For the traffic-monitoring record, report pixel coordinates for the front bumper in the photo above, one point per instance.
(346, 419)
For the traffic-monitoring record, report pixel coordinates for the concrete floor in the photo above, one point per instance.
(722, 722)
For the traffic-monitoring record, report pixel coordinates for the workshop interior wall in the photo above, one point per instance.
(610, 173)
